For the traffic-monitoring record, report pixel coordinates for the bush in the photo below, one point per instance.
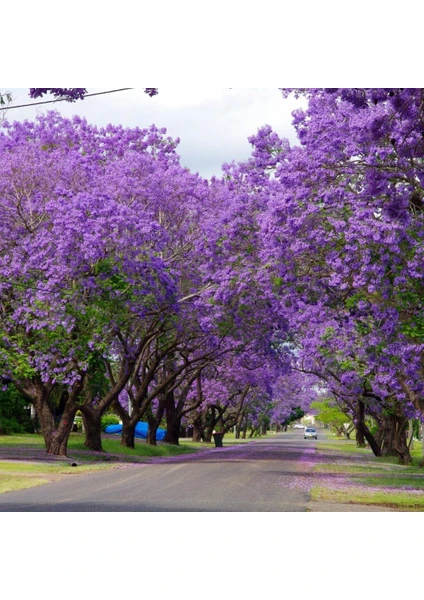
(14, 412)
(109, 419)
(11, 425)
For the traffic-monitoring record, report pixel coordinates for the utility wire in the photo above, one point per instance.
(63, 99)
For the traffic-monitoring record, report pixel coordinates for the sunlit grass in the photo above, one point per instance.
(342, 445)
(10, 483)
(369, 472)
(47, 468)
(393, 480)
(141, 449)
(77, 449)
(110, 446)
(349, 447)
(350, 469)
(360, 496)
(368, 469)
(27, 439)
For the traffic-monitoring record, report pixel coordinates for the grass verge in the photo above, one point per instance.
(398, 484)
(113, 446)
(360, 496)
(59, 468)
(12, 483)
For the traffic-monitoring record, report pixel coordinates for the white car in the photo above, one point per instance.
(310, 432)
(298, 426)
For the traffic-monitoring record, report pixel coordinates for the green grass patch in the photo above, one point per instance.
(34, 440)
(342, 445)
(350, 469)
(349, 447)
(367, 470)
(78, 451)
(112, 446)
(359, 496)
(47, 468)
(10, 483)
(393, 480)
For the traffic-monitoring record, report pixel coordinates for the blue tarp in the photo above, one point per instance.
(140, 430)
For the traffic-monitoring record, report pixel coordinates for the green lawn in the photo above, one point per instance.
(343, 445)
(349, 447)
(401, 500)
(79, 452)
(362, 473)
(34, 440)
(63, 468)
(113, 446)
(10, 483)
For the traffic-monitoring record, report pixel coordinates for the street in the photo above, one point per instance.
(270, 474)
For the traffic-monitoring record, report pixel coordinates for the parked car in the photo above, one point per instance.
(310, 432)
(298, 426)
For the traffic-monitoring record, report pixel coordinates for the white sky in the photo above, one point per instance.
(212, 123)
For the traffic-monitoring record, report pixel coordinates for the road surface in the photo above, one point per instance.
(266, 475)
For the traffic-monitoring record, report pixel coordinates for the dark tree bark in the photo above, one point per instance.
(211, 422)
(55, 435)
(198, 429)
(92, 420)
(154, 420)
(393, 435)
(151, 432)
(360, 423)
(59, 442)
(173, 420)
(46, 420)
(371, 441)
(128, 433)
(362, 430)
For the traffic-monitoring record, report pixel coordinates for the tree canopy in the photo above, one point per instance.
(128, 283)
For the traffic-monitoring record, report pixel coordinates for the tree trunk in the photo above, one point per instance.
(360, 423)
(360, 438)
(46, 420)
(151, 432)
(197, 432)
(392, 436)
(59, 442)
(411, 434)
(55, 437)
(128, 433)
(211, 421)
(348, 431)
(173, 421)
(244, 430)
(93, 429)
(207, 435)
(372, 442)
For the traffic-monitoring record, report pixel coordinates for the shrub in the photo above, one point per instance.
(10, 425)
(109, 419)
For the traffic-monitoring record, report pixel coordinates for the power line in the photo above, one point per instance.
(63, 99)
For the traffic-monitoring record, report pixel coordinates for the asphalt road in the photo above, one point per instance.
(267, 475)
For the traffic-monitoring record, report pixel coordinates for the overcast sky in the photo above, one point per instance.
(213, 124)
